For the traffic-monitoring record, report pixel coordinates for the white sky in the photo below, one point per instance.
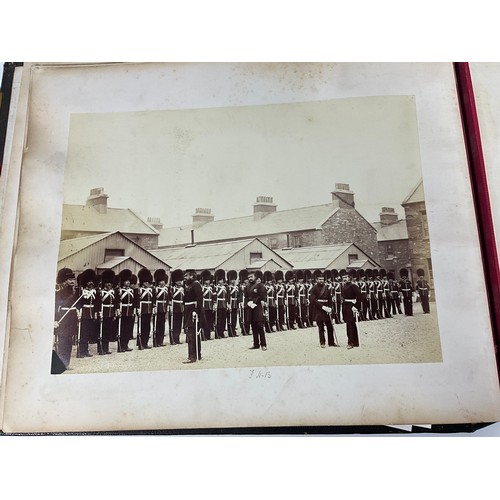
(166, 163)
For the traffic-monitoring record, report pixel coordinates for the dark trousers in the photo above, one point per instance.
(374, 308)
(292, 315)
(273, 318)
(231, 322)
(87, 332)
(192, 341)
(303, 320)
(329, 329)
(125, 330)
(64, 346)
(395, 305)
(281, 317)
(209, 316)
(160, 328)
(176, 327)
(145, 330)
(221, 322)
(338, 309)
(352, 334)
(408, 306)
(259, 336)
(424, 299)
(364, 309)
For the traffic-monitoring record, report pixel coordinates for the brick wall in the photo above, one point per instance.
(400, 255)
(418, 241)
(348, 226)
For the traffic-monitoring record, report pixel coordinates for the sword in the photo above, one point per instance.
(99, 340)
(196, 335)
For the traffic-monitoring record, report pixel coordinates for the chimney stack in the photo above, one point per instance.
(343, 197)
(263, 206)
(98, 199)
(202, 216)
(155, 222)
(388, 216)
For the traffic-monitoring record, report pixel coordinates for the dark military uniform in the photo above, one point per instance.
(208, 307)
(67, 330)
(221, 303)
(423, 289)
(234, 297)
(320, 297)
(144, 302)
(193, 303)
(108, 308)
(351, 298)
(255, 294)
(177, 305)
(395, 301)
(88, 304)
(161, 296)
(407, 291)
(125, 305)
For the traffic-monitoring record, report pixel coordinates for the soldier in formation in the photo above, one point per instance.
(107, 308)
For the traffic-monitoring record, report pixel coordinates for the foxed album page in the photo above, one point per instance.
(246, 245)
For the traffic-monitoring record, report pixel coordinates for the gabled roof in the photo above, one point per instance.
(317, 257)
(416, 194)
(358, 264)
(390, 232)
(72, 246)
(75, 245)
(297, 219)
(202, 256)
(83, 218)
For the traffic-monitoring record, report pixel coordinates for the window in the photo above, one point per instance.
(111, 253)
(255, 256)
(390, 251)
(352, 257)
(297, 241)
(273, 243)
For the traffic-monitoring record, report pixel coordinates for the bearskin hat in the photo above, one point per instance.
(420, 273)
(160, 275)
(232, 275)
(64, 274)
(177, 275)
(125, 275)
(108, 276)
(403, 273)
(86, 277)
(144, 276)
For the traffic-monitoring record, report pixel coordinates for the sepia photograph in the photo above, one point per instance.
(241, 245)
(315, 209)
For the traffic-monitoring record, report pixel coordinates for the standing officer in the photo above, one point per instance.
(244, 323)
(208, 303)
(221, 298)
(424, 291)
(66, 323)
(350, 307)
(302, 301)
(337, 296)
(291, 299)
(407, 291)
(234, 297)
(363, 288)
(161, 294)
(125, 310)
(145, 307)
(322, 306)
(177, 304)
(107, 314)
(88, 306)
(194, 317)
(395, 301)
(271, 302)
(256, 296)
(372, 295)
(280, 300)
(386, 295)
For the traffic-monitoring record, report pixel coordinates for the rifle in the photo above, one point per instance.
(335, 340)
(99, 339)
(196, 335)
(139, 339)
(242, 318)
(299, 315)
(78, 338)
(285, 308)
(119, 335)
(155, 341)
(170, 331)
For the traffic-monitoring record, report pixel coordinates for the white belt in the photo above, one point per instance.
(190, 303)
(88, 305)
(353, 301)
(177, 301)
(107, 305)
(68, 308)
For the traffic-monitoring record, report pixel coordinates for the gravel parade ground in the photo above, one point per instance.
(401, 339)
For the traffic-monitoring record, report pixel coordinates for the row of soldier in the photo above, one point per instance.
(108, 306)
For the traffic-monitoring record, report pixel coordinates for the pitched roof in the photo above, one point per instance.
(74, 245)
(296, 219)
(206, 256)
(209, 256)
(416, 194)
(84, 218)
(316, 257)
(389, 232)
